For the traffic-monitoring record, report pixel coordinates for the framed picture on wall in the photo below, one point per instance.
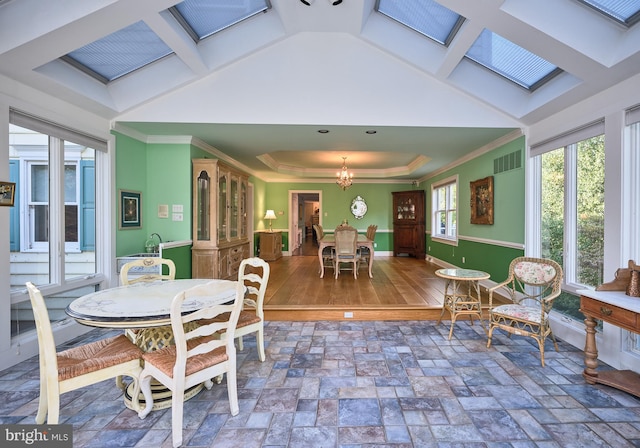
(130, 207)
(7, 193)
(482, 201)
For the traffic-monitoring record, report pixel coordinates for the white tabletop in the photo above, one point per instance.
(144, 304)
(462, 274)
(616, 298)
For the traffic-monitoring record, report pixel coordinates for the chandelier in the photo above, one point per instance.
(345, 179)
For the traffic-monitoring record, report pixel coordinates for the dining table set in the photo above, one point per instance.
(145, 307)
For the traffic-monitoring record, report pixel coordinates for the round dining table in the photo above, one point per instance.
(143, 310)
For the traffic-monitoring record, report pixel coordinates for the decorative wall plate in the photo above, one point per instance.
(358, 207)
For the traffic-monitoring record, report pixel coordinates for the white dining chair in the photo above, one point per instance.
(78, 366)
(148, 262)
(197, 356)
(254, 273)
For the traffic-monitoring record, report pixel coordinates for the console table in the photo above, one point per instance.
(616, 308)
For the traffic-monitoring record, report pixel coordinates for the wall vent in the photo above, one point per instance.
(508, 162)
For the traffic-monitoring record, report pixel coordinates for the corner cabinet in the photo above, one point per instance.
(220, 239)
(409, 223)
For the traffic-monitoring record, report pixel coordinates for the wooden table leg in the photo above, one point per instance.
(590, 352)
(321, 260)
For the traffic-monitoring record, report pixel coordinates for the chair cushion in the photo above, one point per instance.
(534, 273)
(165, 358)
(95, 356)
(520, 312)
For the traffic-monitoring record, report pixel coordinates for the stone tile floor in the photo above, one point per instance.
(364, 384)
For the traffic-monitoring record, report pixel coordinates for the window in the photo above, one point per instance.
(511, 61)
(425, 16)
(444, 208)
(54, 172)
(571, 183)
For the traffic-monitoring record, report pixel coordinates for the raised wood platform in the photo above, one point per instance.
(402, 288)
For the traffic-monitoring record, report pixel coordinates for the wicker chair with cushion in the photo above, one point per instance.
(346, 249)
(79, 366)
(532, 286)
(197, 356)
(254, 273)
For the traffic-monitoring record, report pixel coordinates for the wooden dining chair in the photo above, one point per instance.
(365, 253)
(79, 366)
(254, 273)
(346, 249)
(199, 354)
(327, 253)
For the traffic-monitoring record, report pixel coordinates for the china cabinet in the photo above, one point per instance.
(409, 223)
(270, 245)
(220, 239)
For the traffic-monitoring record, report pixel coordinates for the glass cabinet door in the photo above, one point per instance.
(222, 206)
(406, 209)
(203, 212)
(234, 208)
(243, 209)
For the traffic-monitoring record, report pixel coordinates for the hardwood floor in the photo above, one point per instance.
(402, 288)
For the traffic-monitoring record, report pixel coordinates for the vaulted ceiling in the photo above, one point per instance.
(259, 91)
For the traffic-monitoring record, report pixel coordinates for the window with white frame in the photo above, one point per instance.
(570, 178)
(444, 199)
(54, 171)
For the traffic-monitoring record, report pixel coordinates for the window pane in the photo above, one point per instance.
(552, 210)
(79, 211)
(22, 314)
(39, 183)
(29, 216)
(574, 235)
(452, 224)
(426, 16)
(70, 183)
(590, 222)
(510, 60)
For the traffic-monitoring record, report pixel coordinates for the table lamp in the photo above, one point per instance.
(270, 215)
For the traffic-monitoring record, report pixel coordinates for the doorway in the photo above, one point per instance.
(304, 212)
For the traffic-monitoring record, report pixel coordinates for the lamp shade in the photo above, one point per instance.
(270, 215)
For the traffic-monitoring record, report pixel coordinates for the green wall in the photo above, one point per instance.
(336, 206)
(131, 174)
(486, 247)
(162, 172)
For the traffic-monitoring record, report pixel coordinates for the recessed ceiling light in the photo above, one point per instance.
(323, 131)
(371, 131)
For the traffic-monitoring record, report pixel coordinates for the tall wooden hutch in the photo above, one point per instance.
(409, 223)
(220, 228)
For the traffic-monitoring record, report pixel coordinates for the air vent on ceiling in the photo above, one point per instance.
(508, 162)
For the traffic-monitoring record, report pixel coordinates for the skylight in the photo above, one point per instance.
(511, 61)
(202, 18)
(426, 17)
(119, 53)
(626, 12)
